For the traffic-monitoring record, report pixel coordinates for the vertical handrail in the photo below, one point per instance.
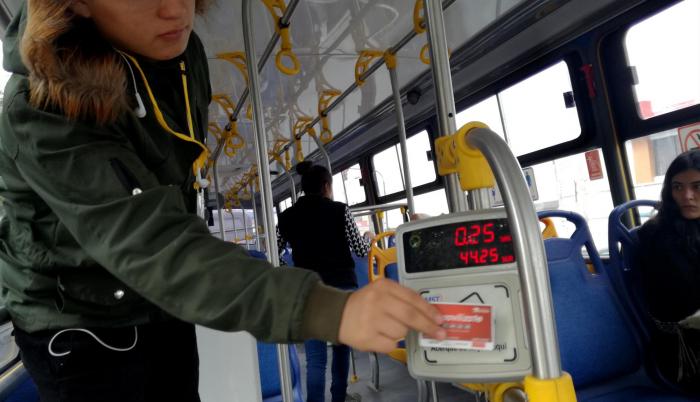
(256, 227)
(219, 213)
(265, 182)
(245, 227)
(233, 224)
(529, 250)
(400, 123)
(444, 93)
(323, 151)
(292, 186)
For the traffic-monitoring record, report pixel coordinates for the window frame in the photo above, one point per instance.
(619, 80)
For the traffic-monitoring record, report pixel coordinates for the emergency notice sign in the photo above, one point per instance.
(468, 326)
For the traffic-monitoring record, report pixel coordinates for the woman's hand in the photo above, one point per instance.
(378, 315)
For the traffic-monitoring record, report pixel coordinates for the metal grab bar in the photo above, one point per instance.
(529, 249)
(371, 209)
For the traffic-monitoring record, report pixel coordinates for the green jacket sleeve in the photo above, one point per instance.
(150, 242)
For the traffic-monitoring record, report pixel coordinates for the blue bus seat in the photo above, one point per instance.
(361, 270)
(269, 373)
(598, 341)
(623, 245)
(257, 254)
(26, 391)
(392, 272)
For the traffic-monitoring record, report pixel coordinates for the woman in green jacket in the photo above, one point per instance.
(104, 265)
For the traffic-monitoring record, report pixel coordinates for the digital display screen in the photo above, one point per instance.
(458, 245)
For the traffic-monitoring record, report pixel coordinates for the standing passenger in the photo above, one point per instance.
(670, 262)
(104, 265)
(322, 232)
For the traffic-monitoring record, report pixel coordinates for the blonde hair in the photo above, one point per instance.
(72, 69)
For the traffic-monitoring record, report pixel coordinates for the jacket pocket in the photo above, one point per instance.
(124, 175)
(94, 291)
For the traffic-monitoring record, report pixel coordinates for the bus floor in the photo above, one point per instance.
(395, 384)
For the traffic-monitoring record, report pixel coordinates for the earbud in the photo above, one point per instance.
(141, 109)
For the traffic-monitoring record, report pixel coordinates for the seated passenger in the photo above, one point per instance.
(321, 233)
(670, 268)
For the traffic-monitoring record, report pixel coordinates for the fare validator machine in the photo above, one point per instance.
(466, 258)
(482, 266)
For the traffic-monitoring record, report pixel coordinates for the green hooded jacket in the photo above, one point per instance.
(77, 249)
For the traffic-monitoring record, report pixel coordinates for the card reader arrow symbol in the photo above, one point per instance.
(472, 295)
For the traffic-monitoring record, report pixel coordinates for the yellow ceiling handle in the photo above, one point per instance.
(238, 60)
(298, 152)
(287, 160)
(418, 17)
(277, 157)
(286, 52)
(233, 140)
(425, 55)
(215, 130)
(277, 8)
(225, 102)
(390, 60)
(303, 125)
(362, 64)
(323, 101)
(249, 111)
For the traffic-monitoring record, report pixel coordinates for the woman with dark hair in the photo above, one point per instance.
(670, 263)
(104, 264)
(322, 232)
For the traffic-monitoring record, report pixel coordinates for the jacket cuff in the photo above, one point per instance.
(323, 312)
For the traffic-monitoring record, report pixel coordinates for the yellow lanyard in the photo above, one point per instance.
(201, 161)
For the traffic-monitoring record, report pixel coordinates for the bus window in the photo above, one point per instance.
(532, 114)
(664, 52)
(284, 204)
(649, 157)
(486, 111)
(387, 171)
(420, 167)
(568, 184)
(433, 203)
(388, 165)
(347, 187)
(339, 189)
(364, 223)
(535, 114)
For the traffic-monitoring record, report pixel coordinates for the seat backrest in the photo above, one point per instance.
(257, 254)
(623, 245)
(392, 272)
(361, 270)
(269, 371)
(596, 338)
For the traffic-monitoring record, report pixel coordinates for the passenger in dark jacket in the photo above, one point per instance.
(104, 264)
(321, 233)
(670, 262)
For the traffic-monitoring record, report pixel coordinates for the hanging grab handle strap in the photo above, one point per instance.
(277, 9)
(323, 101)
(362, 64)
